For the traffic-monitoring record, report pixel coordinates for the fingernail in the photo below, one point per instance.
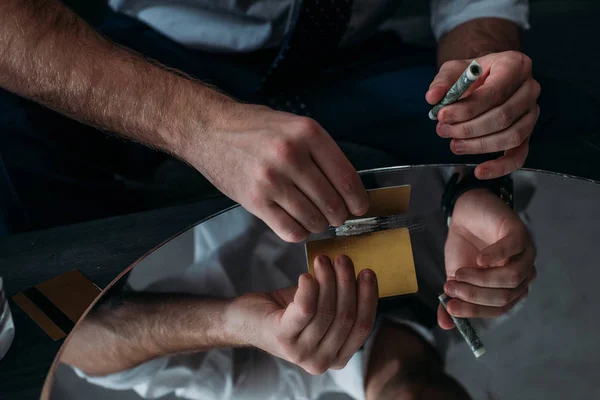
(445, 116)
(322, 259)
(459, 146)
(485, 173)
(444, 130)
(342, 259)
(368, 276)
(449, 289)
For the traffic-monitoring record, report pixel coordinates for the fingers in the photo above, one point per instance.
(326, 303)
(365, 316)
(462, 309)
(301, 209)
(446, 77)
(507, 277)
(505, 78)
(509, 138)
(513, 243)
(345, 307)
(512, 160)
(282, 223)
(485, 296)
(319, 190)
(444, 320)
(298, 314)
(496, 119)
(342, 175)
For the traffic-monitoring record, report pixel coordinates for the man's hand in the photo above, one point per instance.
(318, 325)
(282, 168)
(498, 113)
(285, 169)
(489, 258)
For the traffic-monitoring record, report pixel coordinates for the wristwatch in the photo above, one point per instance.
(457, 186)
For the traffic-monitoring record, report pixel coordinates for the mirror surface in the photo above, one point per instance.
(138, 339)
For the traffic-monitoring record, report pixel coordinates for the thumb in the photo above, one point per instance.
(443, 81)
(444, 320)
(299, 312)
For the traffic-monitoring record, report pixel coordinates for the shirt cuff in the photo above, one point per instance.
(448, 14)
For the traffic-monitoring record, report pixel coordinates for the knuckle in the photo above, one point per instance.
(335, 206)
(293, 356)
(515, 138)
(295, 236)
(306, 311)
(514, 278)
(318, 367)
(364, 328)
(537, 88)
(347, 319)
(327, 315)
(466, 131)
(471, 295)
(483, 145)
(526, 62)
(317, 223)
(494, 94)
(504, 118)
(306, 127)
(286, 151)
(348, 182)
(257, 198)
(506, 296)
(340, 364)
(266, 176)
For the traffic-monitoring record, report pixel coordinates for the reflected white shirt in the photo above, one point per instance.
(244, 26)
(203, 267)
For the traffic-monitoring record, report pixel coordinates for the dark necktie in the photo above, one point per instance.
(314, 37)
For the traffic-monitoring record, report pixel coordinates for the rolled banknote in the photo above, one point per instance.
(471, 74)
(466, 330)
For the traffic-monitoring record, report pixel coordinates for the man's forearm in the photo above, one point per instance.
(142, 327)
(50, 55)
(477, 38)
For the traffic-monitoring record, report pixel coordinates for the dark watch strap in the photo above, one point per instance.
(501, 187)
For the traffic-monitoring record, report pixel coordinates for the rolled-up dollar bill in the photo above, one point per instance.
(466, 330)
(471, 74)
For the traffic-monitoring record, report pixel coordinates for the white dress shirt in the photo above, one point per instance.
(244, 26)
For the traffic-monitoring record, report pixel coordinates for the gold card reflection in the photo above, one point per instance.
(388, 253)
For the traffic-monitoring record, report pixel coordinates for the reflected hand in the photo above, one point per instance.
(489, 257)
(283, 168)
(498, 113)
(318, 325)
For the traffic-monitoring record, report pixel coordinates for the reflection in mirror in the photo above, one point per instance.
(226, 310)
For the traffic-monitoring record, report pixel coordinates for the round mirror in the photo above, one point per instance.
(173, 325)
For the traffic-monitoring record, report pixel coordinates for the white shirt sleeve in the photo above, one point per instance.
(199, 376)
(448, 14)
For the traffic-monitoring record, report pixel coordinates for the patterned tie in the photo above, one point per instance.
(316, 33)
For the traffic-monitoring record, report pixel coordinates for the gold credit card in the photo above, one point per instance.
(388, 253)
(57, 304)
(387, 201)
